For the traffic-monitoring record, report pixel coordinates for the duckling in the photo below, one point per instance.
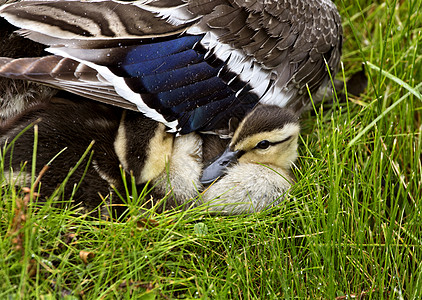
(192, 65)
(124, 141)
(171, 164)
(254, 172)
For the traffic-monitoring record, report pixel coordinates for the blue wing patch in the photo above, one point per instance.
(176, 78)
(162, 64)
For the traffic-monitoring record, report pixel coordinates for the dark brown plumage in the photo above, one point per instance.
(124, 141)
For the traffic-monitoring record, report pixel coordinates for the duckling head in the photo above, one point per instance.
(267, 135)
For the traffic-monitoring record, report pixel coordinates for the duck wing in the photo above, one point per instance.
(191, 64)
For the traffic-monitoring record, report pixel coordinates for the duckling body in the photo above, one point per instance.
(192, 65)
(141, 146)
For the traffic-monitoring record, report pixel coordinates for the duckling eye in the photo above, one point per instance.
(263, 144)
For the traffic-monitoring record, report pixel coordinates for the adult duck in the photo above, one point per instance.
(193, 65)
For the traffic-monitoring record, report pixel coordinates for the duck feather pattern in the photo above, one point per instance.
(192, 64)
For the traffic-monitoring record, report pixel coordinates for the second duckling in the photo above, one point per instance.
(124, 141)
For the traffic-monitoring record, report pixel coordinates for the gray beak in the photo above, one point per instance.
(219, 166)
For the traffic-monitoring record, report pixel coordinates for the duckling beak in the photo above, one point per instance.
(219, 166)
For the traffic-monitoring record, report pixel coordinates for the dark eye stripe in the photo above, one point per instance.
(285, 140)
(261, 143)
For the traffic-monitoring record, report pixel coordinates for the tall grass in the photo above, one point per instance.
(351, 227)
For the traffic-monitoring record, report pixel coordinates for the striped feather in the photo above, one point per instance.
(191, 64)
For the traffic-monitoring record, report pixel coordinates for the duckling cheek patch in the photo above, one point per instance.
(158, 153)
(120, 145)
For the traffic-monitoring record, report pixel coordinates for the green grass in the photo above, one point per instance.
(352, 226)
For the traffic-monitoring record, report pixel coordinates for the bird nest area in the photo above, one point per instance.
(349, 229)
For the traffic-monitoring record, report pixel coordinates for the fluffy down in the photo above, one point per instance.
(247, 188)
